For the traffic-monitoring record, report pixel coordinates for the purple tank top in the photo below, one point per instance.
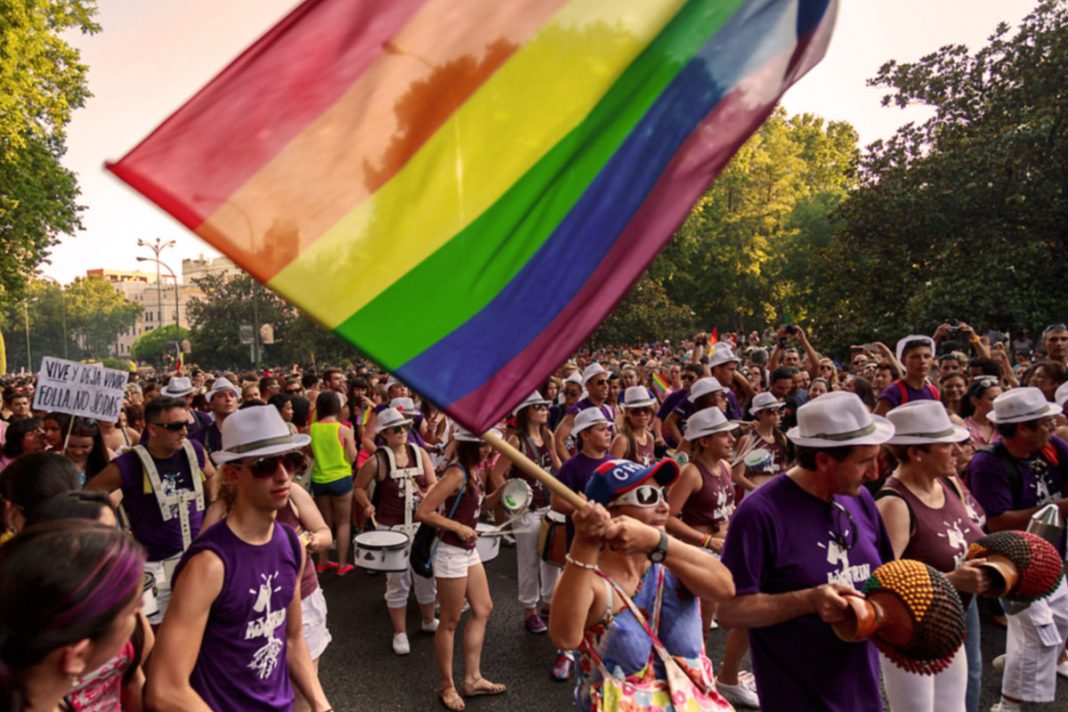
(309, 580)
(389, 511)
(713, 504)
(467, 510)
(161, 539)
(543, 457)
(941, 536)
(242, 659)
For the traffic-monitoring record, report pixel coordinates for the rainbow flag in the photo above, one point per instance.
(662, 387)
(465, 190)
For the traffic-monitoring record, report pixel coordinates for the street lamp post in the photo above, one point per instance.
(174, 277)
(157, 247)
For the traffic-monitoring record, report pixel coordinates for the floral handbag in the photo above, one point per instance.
(685, 689)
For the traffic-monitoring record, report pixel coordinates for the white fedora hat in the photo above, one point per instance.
(1061, 395)
(534, 398)
(389, 418)
(763, 401)
(255, 432)
(837, 419)
(707, 422)
(923, 422)
(1021, 405)
(721, 354)
(588, 418)
(464, 435)
(177, 387)
(704, 386)
(405, 405)
(593, 370)
(222, 383)
(637, 397)
(900, 348)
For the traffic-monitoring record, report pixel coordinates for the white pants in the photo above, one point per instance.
(536, 578)
(910, 692)
(399, 584)
(1036, 636)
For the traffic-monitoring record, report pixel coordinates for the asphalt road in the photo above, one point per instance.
(360, 671)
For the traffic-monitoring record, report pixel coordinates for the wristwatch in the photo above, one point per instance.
(657, 555)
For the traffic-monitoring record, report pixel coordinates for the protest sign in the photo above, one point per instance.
(79, 389)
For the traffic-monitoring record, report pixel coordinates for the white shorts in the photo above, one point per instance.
(452, 562)
(313, 623)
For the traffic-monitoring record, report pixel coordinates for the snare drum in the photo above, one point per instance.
(487, 546)
(516, 497)
(382, 550)
(149, 603)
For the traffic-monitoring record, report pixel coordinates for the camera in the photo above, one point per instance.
(790, 329)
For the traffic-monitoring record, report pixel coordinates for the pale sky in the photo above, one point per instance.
(152, 56)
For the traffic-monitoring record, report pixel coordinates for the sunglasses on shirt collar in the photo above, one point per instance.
(294, 462)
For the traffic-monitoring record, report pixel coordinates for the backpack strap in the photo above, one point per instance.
(902, 390)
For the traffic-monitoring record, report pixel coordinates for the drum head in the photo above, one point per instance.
(381, 540)
(756, 457)
(516, 496)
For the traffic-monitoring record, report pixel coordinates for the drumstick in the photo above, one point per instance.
(749, 447)
(374, 523)
(530, 467)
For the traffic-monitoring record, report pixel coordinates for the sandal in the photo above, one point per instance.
(451, 699)
(484, 687)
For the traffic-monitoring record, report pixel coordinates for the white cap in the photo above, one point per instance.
(704, 386)
(923, 422)
(1021, 405)
(837, 419)
(588, 418)
(707, 422)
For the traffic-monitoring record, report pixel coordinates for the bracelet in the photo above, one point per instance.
(706, 542)
(581, 564)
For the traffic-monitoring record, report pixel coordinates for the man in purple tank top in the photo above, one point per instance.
(231, 639)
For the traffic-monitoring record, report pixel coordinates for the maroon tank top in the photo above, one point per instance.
(713, 504)
(940, 537)
(541, 455)
(467, 511)
(642, 454)
(389, 511)
(309, 581)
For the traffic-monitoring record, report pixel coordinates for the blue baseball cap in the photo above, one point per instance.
(614, 477)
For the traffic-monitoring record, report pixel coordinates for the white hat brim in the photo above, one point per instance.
(639, 404)
(753, 410)
(884, 430)
(176, 394)
(578, 429)
(221, 457)
(1050, 409)
(527, 404)
(379, 427)
(721, 428)
(957, 434)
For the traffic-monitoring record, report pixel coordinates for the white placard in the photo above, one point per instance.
(79, 389)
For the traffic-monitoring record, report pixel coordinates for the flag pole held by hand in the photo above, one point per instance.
(531, 468)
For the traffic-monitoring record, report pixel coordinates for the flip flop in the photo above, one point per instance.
(485, 687)
(452, 702)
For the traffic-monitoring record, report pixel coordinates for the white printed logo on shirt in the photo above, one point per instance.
(265, 659)
(838, 557)
(955, 539)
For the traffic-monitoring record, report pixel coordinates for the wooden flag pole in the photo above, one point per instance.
(530, 467)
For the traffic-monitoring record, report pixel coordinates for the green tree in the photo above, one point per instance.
(41, 311)
(97, 313)
(158, 345)
(646, 313)
(41, 83)
(966, 214)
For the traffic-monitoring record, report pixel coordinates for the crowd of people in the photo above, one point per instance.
(747, 482)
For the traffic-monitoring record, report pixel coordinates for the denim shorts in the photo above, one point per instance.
(337, 488)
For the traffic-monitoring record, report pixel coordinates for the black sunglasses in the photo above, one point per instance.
(843, 528)
(293, 391)
(398, 429)
(266, 466)
(173, 427)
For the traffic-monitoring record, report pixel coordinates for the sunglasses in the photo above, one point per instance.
(641, 411)
(641, 496)
(843, 528)
(539, 406)
(398, 429)
(689, 378)
(173, 427)
(266, 466)
(598, 382)
(293, 391)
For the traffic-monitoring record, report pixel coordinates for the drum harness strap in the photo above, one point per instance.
(408, 476)
(168, 504)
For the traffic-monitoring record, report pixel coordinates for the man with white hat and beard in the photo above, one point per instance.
(232, 637)
(595, 381)
(797, 546)
(1012, 479)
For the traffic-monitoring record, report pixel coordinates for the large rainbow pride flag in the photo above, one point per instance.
(464, 189)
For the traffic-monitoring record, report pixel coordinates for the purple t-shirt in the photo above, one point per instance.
(575, 473)
(673, 401)
(242, 659)
(892, 393)
(1002, 483)
(800, 664)
(161, 539)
